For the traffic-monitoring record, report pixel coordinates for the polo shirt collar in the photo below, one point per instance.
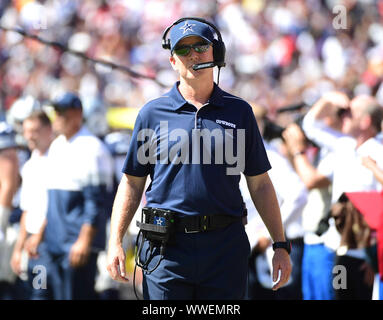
(179, 101)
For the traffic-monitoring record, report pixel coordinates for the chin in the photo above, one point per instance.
(197, 73)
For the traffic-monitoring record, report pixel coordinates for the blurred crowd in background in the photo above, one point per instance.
(278, 54)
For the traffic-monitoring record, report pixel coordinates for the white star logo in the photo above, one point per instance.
(159, 222)
(187, 27)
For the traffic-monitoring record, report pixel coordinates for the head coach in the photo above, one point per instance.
(193, 142)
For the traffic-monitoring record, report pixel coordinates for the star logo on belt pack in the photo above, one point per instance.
(187, 27)
(159, 221)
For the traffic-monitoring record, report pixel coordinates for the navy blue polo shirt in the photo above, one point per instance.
(195, 157)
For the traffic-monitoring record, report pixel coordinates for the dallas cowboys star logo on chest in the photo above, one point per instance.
(187, 27)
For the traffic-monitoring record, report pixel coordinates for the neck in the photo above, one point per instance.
(362, 138)
(70, 133)
(196, 92)
(44, 148)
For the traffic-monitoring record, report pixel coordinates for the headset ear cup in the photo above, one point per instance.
(219, 51)
(166, 44)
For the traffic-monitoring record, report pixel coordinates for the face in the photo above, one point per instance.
(353, 121)
(183, 64)
(338, 120)
(67, 122)
(38, 136)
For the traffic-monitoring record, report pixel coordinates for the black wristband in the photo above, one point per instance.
(282, 245)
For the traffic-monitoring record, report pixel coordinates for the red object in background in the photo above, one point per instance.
(370, 205)
(369, 78)
(288, 46)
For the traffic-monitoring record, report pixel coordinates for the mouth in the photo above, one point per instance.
(191, 67)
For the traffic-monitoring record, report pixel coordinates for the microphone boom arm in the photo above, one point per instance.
(204, 65)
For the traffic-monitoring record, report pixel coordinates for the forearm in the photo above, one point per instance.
(308, 173)
(40, 234)
(87, 233)
(7, 191)
(378, 173)
(125, 205)
(22, 237)
(319, 110)
(9, 176)
(265, 200)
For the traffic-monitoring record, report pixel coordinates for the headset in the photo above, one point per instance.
(219, 49)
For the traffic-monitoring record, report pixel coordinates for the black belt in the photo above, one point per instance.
(194, 224)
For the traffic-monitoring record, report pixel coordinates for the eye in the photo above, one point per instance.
(182, 51)
(200, 48)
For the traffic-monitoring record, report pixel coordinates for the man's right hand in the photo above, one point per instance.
(330, 104)
(16, 261)
(31, 245)
(116, 263)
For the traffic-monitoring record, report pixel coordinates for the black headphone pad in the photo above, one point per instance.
(219, 51)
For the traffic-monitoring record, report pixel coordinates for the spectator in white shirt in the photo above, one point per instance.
(315, 172)
(314, 165)
(37, 131)
(292, 198)
(361, 123)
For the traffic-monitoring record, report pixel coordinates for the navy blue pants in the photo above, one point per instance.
(200, 266)
(37, 290)
(65, 282)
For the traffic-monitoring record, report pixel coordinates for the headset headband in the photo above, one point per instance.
(219, 49)
(166, 42)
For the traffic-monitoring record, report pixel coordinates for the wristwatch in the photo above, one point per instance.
(283, 245)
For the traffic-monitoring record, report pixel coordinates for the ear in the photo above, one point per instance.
(365, 122)
(172, 61)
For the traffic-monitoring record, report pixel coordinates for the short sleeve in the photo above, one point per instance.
(256, 160)
(137, 161)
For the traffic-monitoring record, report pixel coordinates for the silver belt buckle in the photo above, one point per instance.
(186, 231)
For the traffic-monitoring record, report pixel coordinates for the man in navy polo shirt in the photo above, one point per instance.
(194, 142)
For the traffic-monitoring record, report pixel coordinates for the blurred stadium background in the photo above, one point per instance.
(278, 52)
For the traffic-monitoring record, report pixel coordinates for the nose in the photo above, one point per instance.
(194, 56)
(193, 53)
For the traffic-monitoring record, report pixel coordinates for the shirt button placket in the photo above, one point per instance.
(199, 123)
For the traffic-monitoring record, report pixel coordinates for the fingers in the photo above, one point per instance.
(276, 274)
(116, 269)
(294, 138)
(73, 259)
(281, 268)
(78, 255)
(15, 265)
(31, 247)
(76, 259)
(337, 98)
(32, 251)
(122, 268)
(368, 162)
(283, 278)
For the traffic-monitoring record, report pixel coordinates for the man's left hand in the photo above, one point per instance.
(281, 261)
(79, 253)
